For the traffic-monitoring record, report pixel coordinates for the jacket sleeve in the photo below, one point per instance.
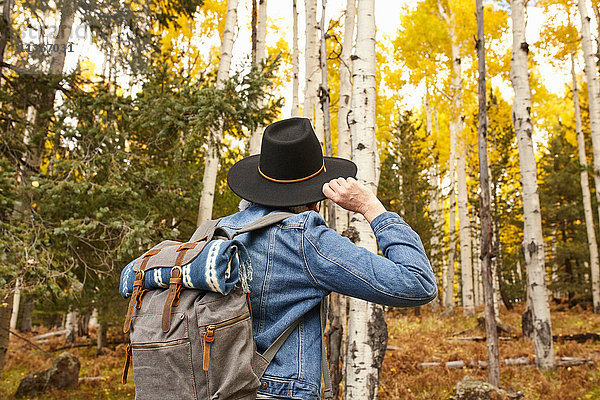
(402, 278)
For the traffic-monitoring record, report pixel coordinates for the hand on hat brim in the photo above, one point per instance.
(353, 196)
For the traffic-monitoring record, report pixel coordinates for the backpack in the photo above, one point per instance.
(194, 339)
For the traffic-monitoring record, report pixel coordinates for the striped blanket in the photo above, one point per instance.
(218, 268)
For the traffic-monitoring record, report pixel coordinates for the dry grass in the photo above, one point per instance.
(425, 338)
(428, 338)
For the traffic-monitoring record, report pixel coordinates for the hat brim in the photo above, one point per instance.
(245, 181)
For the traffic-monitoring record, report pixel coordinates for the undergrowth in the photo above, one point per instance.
(412, 340)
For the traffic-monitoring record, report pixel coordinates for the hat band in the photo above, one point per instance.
(293, 180)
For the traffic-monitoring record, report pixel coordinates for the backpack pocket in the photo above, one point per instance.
(162, 360)
(228, 355)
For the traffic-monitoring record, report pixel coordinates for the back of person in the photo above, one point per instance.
(297, 262)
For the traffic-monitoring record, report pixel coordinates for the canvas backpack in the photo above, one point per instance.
(194, 339)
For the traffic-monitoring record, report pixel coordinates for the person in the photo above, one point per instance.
(298, 262)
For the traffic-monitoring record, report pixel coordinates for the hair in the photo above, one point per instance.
(244, 204)
(302, 208)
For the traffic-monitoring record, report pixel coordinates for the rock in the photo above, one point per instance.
(64, 374)
(472, 389)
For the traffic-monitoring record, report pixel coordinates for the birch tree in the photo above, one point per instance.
(485, 212)
(344, 111)
(367, 334)
(259, 57)
(594, 111)
(436, 255)
(448, 278)
(585, 190)
(295, 61)
(337, 313)
(312, 69)
(533, 245)
(211, 164)
(456, 130)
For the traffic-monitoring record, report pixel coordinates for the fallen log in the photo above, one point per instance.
(86, 344)
(482, 338)
(50, 334)
(511, 362)
(578, 337)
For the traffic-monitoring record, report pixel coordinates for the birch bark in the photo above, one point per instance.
(312, 70)
(456, 129)
(16, 303)
(485, 212)
(449, 276)
(587, 201)
(434, 201)
(211, 164)
(533, 244)
(594, 111)
(6, 300)
(339, 303)
(260, 56)
(344, 145)
(295, 62)
(324, 100)
(367, 335)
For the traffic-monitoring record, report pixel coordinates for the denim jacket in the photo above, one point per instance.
(299, 261)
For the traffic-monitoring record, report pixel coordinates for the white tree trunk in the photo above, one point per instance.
(448, 283)
(71, 326)
(591, 74)
(434, 201)
(364, 354)
(295, 62)
(476, 266)
(93, 322)
(456, 129)
(344, 141)
(261, 51)
(211, 165)
(533, 244)
(311, 109)
(16, 303)
(587, 201)
(465, 238)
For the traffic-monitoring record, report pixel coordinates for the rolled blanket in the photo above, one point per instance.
(218, 268)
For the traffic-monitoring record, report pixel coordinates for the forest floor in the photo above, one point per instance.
(412, 340)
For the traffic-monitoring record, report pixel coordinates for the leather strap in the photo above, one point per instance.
(327, 391)
(205, 228)
(263, 222)
(127, 363)
(136, 297)
(175, 286)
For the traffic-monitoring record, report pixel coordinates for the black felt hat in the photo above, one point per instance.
(290, 169)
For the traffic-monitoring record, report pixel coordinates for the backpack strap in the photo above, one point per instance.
(263, 222)
(205, 228)
(269, 354)
(327, 391)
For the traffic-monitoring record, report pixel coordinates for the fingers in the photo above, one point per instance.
(335, 188)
